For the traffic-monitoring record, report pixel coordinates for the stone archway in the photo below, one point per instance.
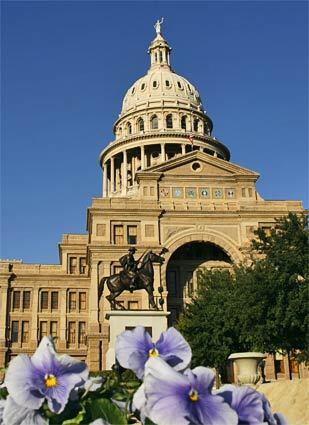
(186, 256)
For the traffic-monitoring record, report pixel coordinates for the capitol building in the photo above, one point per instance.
(167, 183)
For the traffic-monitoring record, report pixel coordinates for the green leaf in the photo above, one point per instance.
(109, 412)
(77, 420)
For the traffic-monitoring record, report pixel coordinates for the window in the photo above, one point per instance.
(169, 121)
(72, 301)
(71, 332)
(250, 192)
(167, 83)
(118, 235)
(26, 300)
(140, 124)
(82, 300)
(25, 332)
(179, 84)
(195, 124)
(160, 56)
(82, 265)
(82, 333)
(184, 122)
(206, 128)
(243, 192)
(73, 265)
(44, 300)
(154, 84)
(154, 122)
(53, 329)
(132, 235)
(129, 128)
(54, 300)
(16, 300)
(43, 329)
(14, 331)
(143, 86)
(133, 90)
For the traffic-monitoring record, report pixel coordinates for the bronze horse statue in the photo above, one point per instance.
(117, 283)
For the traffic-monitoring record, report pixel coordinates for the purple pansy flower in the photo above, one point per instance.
(245, 401)
(252, 407)
(182, 399)
(134, 348)
(14, 414)
(45, 375)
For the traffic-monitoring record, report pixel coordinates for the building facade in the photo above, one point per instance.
(167, 182)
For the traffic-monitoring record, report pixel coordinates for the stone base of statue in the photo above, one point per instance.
(154, 321)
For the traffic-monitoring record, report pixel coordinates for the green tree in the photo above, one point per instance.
(258, 307)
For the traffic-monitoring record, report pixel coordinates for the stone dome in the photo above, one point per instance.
(161, 84)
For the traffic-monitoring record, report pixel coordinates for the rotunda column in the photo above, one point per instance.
(162, 152)
(112, 174)
(104, 180)
(183, 149)
(124, 176)
(142, 157)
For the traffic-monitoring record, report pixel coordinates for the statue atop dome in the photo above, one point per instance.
(157, 25)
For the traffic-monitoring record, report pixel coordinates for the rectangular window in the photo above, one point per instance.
(82, 333)
(25, 332)
(243, 192)
(250, 192)
(26, 300)
(71, 332)
(54, 300)
(82, 265)
(44, 300)
(14, 331)
(72, 301)
(82, 300)
(73, 265)
(132, 235)
(43, 329)
(54, 329)
(16, 300)
(118, 235)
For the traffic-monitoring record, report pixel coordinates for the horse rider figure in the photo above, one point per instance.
(130, 267)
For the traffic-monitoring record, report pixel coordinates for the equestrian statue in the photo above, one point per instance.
(135, 275)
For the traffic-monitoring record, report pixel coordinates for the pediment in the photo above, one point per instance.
(199, 163)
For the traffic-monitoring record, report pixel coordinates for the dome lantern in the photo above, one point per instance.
(159, 50)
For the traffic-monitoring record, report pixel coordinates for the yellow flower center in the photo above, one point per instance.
(193, 395)
(50, 380)
(153, 353)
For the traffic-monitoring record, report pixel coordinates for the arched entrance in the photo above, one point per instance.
(182, 272)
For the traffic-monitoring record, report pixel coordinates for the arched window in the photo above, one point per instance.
(206, 128)
(169, 121)
(160, 56)
(140, 124)
(156, 57)
(184, 122)
(154, 122)
(154, 84)
(195, 124)
(129, 128)
(120, 131)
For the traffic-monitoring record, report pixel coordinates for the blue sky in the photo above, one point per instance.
(67, 65)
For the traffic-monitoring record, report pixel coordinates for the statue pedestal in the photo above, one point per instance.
(154, 321)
